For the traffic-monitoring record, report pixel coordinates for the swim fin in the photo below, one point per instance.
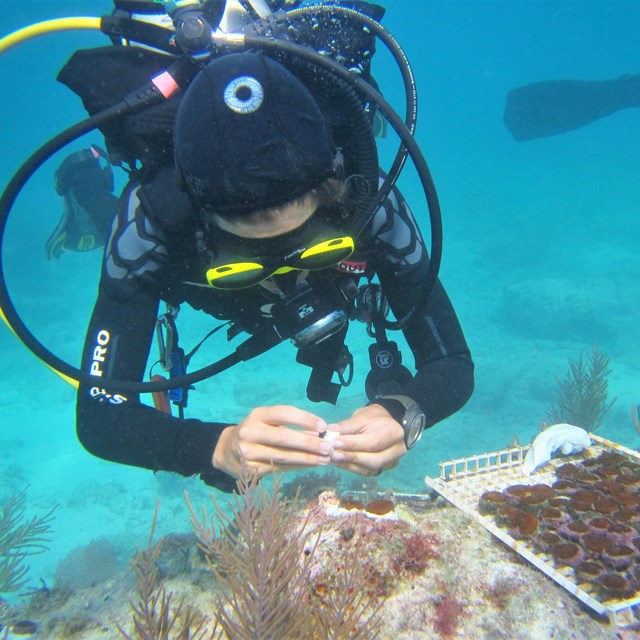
(556, 106)
(89, 204)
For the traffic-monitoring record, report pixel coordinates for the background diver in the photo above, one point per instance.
(552, 107)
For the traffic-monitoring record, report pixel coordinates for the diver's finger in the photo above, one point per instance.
(287, 439)
(366, 463)
(281, 415)
(374, 442)
(280, 458)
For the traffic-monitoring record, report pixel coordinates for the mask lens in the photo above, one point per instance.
(241, 275)
(236, 275)
(326, 254)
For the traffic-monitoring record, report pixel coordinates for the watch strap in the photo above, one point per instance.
(393, 406)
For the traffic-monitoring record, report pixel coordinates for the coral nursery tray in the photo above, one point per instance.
(465, 480)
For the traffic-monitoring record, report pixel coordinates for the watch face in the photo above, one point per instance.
(413, 421)
(414, 427)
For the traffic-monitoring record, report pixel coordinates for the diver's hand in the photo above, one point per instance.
(279, 438)
(370, 441)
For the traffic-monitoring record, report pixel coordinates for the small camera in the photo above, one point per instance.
(314, 312)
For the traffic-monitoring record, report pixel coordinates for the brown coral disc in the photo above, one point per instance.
(607, 486)
(490, 501)
(625, 500)
(552, 517)
(589, 570)
(567, 471)
(622, 533)
(613, 585)
(586, 496)
(525, 495)
(517, 494)
(585, 478)
(540, 493)
(351, 504)
(594, 544)
(380, 507)
(528, 525)
(605, 506)
(545, 541)
(559, 503)
(606, 471)
(626, 516)
(521, 524)
(580, 509)
(568, 553)
(612, 458)
(599, 525)
(628, 481)
(504, 513)
(618, 556)
(574, 530)
(564, 487)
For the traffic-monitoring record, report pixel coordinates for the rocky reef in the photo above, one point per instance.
(406, 567)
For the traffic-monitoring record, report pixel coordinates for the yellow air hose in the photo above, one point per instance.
(43, 28)
(33, 31)
(67, 379)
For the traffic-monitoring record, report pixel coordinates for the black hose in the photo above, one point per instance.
(325, 86)
(411, 97)
(139, 100)
(408, 141)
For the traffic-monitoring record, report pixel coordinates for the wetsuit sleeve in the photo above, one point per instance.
(118, 426)
(444, 379)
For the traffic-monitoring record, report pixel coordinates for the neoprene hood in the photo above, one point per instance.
(249, 135)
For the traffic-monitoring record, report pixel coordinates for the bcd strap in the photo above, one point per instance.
(172, 356)
(102, 77)
(387, 375)
(163, 196)
(329, 357)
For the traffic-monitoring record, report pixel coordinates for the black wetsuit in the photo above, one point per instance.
(152, 256)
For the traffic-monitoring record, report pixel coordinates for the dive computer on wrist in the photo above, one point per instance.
(408, 413)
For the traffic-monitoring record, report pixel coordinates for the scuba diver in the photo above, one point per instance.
(250, 208)
(552, 107)
(89, 203)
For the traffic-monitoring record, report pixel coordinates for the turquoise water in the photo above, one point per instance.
(540, 258)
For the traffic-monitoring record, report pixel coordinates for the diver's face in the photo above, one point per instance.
(257, 228)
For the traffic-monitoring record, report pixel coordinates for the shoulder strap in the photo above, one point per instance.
(163, 196)
(102, 77)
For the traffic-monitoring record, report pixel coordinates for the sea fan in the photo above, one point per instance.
(19, 539)
(582, 395)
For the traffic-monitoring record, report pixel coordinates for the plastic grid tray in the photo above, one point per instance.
(463, 481)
